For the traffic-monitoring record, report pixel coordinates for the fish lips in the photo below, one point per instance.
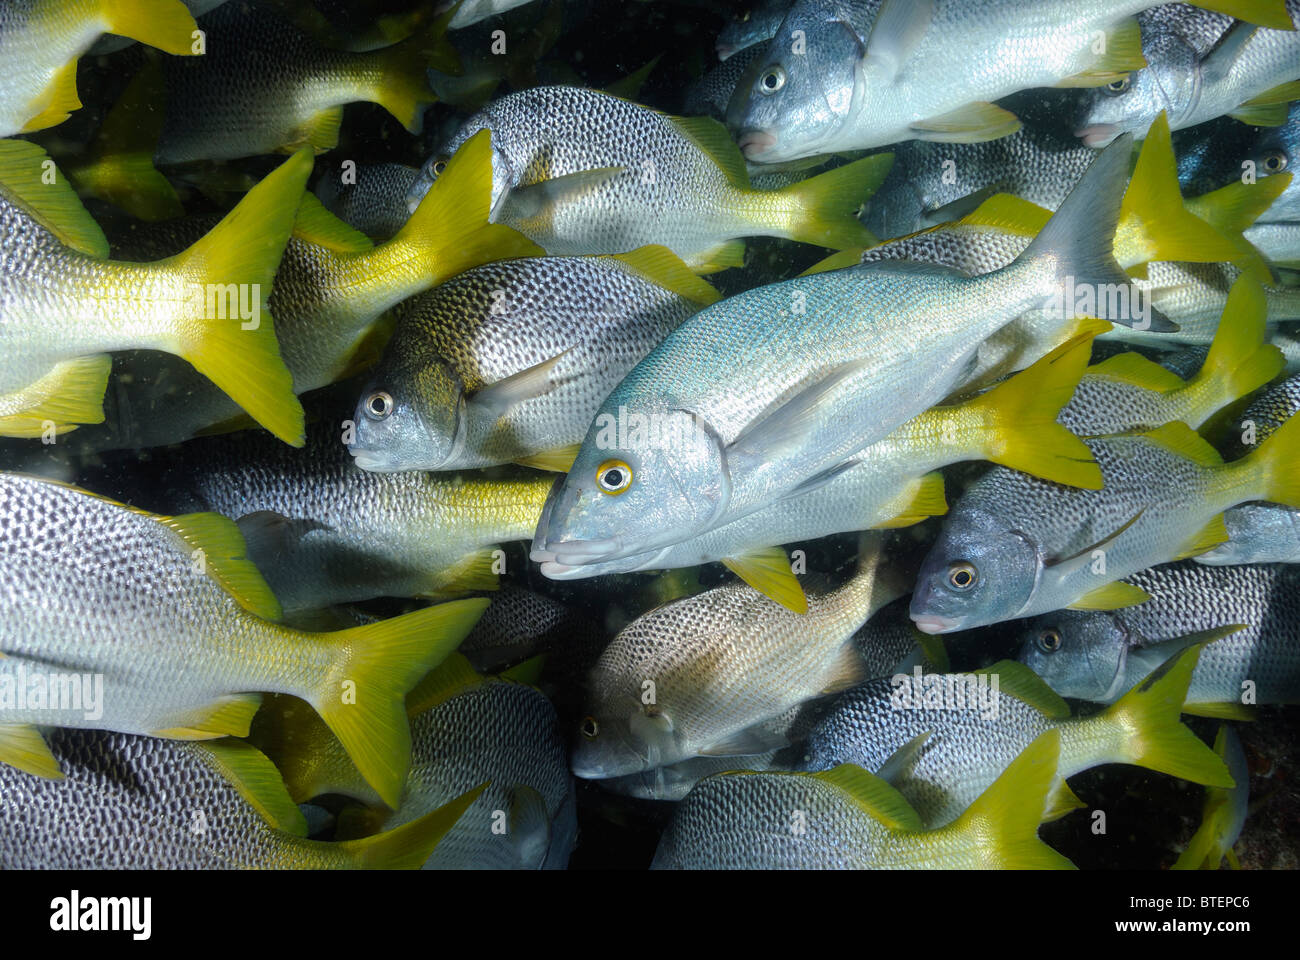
(754, 143)
(1098, 134)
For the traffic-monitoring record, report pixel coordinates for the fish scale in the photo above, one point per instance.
(595, 314)
(1186, 598)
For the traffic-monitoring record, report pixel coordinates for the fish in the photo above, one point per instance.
(65, 307)
(329, 297)
(847, 818)
(203, 635)
(1128, 392)
(892, 482)
(374, 203)
(521, 624)
(758, 23)
(227, 104)
(136, 803)
(771, 392)
(866, 73)
(323, 532)
(1224, 813)
(942, 739)
(1276, 151)
(1261, 532)
(1224, 68)
(510, 361)
(41, 41)
(584, 172)
(1014, 546)
(699, 676)
(465, 729)
(1093, 655)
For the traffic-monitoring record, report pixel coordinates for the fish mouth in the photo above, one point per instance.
(933, 623)
(755, 143)
(1098, 134)
(578, 553)
(372, 461)
(724, 50)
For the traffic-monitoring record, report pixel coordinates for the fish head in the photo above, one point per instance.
(1078, 653)
(796, 99)
(978, 572)
(1277, 150)
(622, 736)
(642, 480)
(503, 172)
(410, 417)
(1130, 104)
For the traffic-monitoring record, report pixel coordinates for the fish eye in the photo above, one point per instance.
(961, 575)
(1116, 87)
(771, 81)
(590, 728)
(438, 167)
(1049, 641)
(613, 477)
(1275, 162)
(378, 405)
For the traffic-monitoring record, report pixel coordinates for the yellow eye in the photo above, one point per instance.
(1118, 86)
(438, 167)
(590, 728)
(961, 575)
(1275, 162)
(1049, 641)
(613, 477)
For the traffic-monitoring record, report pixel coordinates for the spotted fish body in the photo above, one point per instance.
(325, 532)
(1096, 655)
(597, 315)
(718, 663)
(659, 185)
(376, 203)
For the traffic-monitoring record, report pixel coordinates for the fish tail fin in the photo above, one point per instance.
(229, 273)
(119, 168)
(165, 24)
(1241, 359)
(1155, 224)
(823, 209)
(451, 223)
(362, 699)
(1265, 13)
(1077, 246)
(1153, 736)
(1020, 414)
(407, 847)
(403, 84)
(1003, 821)
(1276, 461)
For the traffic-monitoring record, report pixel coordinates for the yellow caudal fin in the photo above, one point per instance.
(449, 230)
(402, 87)
(119, 167)
(823, 210)
(1265, 13)
(362, 699)
(165, 24)
(1154, 224)
(228, 274)
(22, 746)
(1002, 824)
(1019, 416)
(1149, 732)
(1275, 461)
(407, 847)
(1241, 360)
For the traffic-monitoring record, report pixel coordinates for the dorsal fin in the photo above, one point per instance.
(661, 266)
(1022, 683)
(712, 137)
(881, 801)
(54, 205)
(1177, 437)
(314, 224)
(258, 781)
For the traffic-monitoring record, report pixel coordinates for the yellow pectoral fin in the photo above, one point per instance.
(22, 746)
